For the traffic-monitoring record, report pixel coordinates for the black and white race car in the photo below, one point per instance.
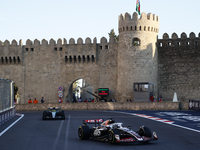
(113, 132)
(53, 113)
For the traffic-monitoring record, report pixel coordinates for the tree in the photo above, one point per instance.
(112, 33)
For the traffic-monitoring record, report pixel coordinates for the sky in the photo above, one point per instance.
(46, 19)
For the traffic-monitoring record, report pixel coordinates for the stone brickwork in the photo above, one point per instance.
(39, 67)
(178, 66)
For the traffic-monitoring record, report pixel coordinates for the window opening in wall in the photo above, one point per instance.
(70, 59)
(135, 27)
(136, 42)
(32, 49)
(55, 48)
(83, 59)
(127, 28)
(187, 43)
(26, 49)
(196, 43)
(123, 28)
(140, 28)
(148, 28)
(74, 59)
(6, 59)
(66, 59)
(60, 49)
(160, 44)
(18, 60)
(100, 47)
(14, 60)
(10, 60)
(88, 58)
(178, 43)
(2, 61)
(169, 43)
(131, 28)
(92, 58)
(151, 28)
(79, 59)
(106, 47)
(145, 28)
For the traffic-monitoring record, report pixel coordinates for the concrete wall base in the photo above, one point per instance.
(107, 106)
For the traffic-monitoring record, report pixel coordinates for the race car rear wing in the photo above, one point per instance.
(93, 121)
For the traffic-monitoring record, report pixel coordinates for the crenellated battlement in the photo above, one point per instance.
(7, 43)
(183, 36)
(74, 52)
(146, 22)
(176, 41)
(53, 42)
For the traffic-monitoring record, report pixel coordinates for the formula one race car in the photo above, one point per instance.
(114, 132)
(53, 113)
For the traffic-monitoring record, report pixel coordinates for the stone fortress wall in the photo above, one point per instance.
(40, 67)
(178, 66)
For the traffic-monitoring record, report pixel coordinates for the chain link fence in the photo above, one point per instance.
(7, 108)
(6, 94)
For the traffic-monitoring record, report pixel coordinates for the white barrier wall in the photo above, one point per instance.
(7, 115)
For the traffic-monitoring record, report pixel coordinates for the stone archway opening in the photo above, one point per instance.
(79, 91)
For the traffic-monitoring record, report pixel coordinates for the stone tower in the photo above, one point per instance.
(137, 52)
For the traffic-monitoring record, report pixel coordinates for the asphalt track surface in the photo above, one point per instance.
(32, 133)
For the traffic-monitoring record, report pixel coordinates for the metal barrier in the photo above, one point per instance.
(194, 105)
(7, 108)
(7, 115)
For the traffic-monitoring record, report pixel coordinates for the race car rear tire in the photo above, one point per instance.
(144, 131)
(44, 116)
(84, 132)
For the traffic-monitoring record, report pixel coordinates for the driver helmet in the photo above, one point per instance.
(107, 122)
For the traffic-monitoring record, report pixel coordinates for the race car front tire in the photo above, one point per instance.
(84, 132)
(111, 137)
(144, 131)
(62, 114)
(44, 116)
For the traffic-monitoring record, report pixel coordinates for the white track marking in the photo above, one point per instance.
(22, 115)
(159, 119)
(67, 133)
(57, 137)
